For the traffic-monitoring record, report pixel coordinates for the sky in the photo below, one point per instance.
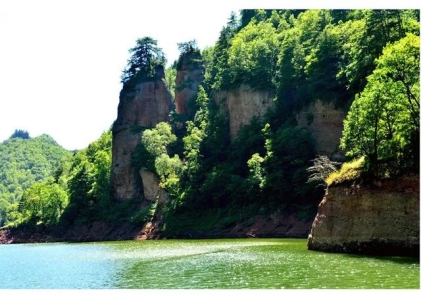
(61, 61)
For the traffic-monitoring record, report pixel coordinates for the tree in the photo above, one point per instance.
(170, 76)
(21, 134)
(383, 122)
(146, 58)
(253, 54)
(399, 67)
(154, 145)
(219, 78)
(256, 170)
(322, 66)
(288, 153)
(24, 162)
(367, 35)
(187, 47)
(190, 56)
(88, 181)
(196, 132)
(321, 169)
(306, 50)
(157, 139)
(43, 203)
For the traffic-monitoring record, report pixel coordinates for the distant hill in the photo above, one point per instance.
(24, 161)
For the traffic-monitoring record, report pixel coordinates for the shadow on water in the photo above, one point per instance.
(395, 259)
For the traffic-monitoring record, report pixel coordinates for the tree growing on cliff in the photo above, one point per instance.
(154, 145)
(383, 122)
(252, 55)
(321, 169)
(186, 48)
(196, 132)
(146, 58)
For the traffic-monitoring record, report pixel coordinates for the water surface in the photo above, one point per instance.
(198, 264)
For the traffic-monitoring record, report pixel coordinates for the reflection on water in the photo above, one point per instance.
(198, 264)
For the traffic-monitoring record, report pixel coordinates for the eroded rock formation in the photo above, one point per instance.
(242, 104)
(190, 74)
(145, 105)
(151, 189)
(380, 219)
(325, 123)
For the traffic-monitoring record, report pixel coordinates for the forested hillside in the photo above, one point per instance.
(362, 62)
(25, 161)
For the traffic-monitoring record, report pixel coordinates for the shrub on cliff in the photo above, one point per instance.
(348, 172)
(321, 169)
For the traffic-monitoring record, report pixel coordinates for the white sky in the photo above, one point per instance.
(61, 60)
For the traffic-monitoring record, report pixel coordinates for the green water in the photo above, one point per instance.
(198, 264)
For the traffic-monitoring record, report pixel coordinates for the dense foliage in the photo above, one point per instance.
(383, 122)
(363, 61)
(25, 161)
(367, 58)
(88, 183)
(147, 62)
(19, 133)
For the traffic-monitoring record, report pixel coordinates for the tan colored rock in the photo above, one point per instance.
(325, 123)
(188, 79)
(369, 219)
(242, 104)
(150, 185)
(146, 105)
(151, 189)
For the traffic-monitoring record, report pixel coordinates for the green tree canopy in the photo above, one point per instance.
(145, 58)
(187, 47)
(252, 55)
(43, 202)
(24, 162)
(88, 182)
(19, 133)
(153, 155)
(383, 122)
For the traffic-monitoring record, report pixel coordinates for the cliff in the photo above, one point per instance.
(145, 105)
(190, 74)
(242, 104)
(380, 219)
(325, 122)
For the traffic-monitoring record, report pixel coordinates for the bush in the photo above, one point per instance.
(348, 172)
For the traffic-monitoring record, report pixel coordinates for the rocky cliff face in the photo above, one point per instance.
(190, 75)
(151, 189)
(325, 123)
(381, 219)
(145, 105)
(242, 104)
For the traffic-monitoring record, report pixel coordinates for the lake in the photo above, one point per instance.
(198, 264)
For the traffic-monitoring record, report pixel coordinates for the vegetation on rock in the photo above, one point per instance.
(383, 122)
(364, 61)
